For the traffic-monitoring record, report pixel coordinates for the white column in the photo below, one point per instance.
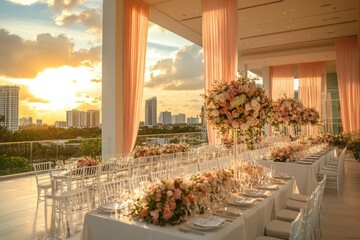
(266, 84)
(112, 76)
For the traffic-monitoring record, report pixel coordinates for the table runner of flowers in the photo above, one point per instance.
(154, 150)
(169, 201)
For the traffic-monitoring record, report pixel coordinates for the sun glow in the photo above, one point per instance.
(63, 88)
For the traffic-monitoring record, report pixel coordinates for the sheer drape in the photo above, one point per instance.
(282, 81)
(347, 67)
(311, 78)
(219, 37)
(135, 40)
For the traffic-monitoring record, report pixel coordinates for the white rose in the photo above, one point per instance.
(215, 113)
(169, 193)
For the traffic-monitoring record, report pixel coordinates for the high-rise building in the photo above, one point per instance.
(9, 107)
(75, 118)
(60, 124)
(25, 121)
(150, 111)
(179, 118)
(165, 118)
(39, 122)
(93, 118)
(192, 120)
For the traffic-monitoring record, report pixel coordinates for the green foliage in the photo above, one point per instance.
(47, 133)
(351, 140)
(11, 165)
(90, 148)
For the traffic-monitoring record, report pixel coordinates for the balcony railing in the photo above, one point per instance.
(17, 157)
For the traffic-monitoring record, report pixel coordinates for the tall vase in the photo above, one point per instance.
(235, 144)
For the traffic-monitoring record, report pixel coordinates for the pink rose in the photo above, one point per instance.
(167, 213)
(177, 193)
(144, 212)
(172, 205)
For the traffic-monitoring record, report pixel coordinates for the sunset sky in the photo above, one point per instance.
(52, 50)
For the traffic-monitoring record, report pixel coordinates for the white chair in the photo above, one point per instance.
(43, 179)
(77, 204)
(159, 175)
(44, 186)
(335, 176)
(110, 191)
(277, 229)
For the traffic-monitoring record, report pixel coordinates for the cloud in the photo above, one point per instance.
(183, 72)
(21, 58)
(65, 4)
(36, 100)
(91, 18)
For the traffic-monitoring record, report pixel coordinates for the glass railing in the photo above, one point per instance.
(17, 157)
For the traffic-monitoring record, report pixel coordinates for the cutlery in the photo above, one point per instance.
(185, 230)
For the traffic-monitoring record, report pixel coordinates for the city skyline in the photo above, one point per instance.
(56, 60)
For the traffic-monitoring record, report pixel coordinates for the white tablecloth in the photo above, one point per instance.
(250, 224)
(305, 175)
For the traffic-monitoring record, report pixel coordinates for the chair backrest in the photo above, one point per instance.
(297, 230)
(77, 204)
(112, 190)
(159, 175)
(138, 181)
(91, 175)
(42, 172)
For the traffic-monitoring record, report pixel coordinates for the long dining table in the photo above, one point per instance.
(249, 224)
(304, 172)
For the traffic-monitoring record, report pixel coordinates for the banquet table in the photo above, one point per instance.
(249, 225)
(304, 173)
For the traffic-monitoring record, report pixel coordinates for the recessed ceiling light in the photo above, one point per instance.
(284, 13)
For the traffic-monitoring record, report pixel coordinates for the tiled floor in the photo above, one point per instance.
(341, 214)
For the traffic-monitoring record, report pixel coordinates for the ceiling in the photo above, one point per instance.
(271, 32)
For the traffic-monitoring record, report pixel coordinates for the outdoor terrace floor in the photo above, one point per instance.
(341, 214)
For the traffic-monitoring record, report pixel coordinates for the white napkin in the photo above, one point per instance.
(210, 221)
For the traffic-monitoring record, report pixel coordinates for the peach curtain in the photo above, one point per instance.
(282, 81)
(135, 40)
(312, 77)
(347, 67)
(219, 38)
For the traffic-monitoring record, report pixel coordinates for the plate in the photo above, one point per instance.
(242, 201)
(206, 222)
(257, 193)
(269, 187)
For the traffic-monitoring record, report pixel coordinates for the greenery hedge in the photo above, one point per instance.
(350, 140)
(12, 165)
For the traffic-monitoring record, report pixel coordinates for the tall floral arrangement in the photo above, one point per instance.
(237, 105)
(311, 116)
(288, 112)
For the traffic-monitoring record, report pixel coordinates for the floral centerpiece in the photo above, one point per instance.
(280, 154)
(165, 202)
(311, 116)
(288, 111)
(86, 161)
(211, 181)
(238, 105)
